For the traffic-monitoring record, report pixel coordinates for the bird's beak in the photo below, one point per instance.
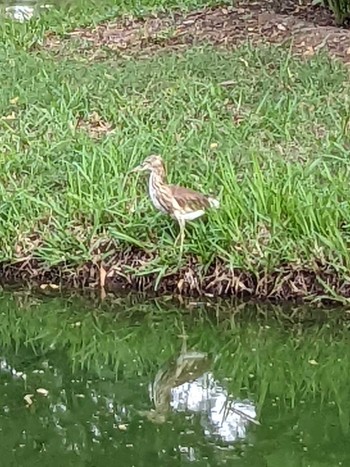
(136, 169)
(139, 168)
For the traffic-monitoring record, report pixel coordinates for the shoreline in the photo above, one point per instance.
(287, 284)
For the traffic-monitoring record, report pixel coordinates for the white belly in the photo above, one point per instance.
(190, 216)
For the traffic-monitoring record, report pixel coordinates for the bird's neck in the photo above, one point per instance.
(157, 178)
(157, 182)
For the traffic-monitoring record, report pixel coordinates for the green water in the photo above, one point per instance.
(156, 383)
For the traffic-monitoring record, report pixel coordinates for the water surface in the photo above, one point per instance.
(23, 10)
(154, 383)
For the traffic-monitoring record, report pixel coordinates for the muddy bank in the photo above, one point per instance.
(128, 271)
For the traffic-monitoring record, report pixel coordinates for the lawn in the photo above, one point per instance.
(264, 131)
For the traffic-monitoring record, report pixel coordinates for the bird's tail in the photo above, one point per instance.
(214, 203)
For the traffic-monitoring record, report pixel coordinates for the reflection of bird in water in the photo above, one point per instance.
(193, 367)
(186, 368)
(186, 384)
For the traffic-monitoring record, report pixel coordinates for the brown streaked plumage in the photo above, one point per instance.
(183, 204)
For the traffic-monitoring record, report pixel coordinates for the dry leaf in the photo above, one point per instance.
(11, 116)
(28, 399)
(227, 83)
(313, 362)
(76, 324)
(243, 61)
(309, 51)
(94, 125)
(122, 427)
(281, 27)
(14, 100)
(42, 391)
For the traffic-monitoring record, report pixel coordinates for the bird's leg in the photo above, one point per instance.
(181, 235)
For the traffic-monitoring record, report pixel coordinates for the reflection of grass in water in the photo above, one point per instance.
(257, 358)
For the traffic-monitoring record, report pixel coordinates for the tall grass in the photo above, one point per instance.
(263, 131)
(341, 9)
(280, 169)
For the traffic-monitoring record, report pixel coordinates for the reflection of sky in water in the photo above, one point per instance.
(23, 12)
(6, 368)
(221, 416)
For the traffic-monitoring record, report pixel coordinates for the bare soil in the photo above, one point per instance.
(124, 270)
(305, 28)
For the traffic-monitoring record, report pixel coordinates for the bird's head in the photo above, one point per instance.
(153, 163)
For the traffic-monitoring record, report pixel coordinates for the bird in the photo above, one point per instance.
(182, 204)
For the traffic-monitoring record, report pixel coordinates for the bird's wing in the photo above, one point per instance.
(189, 200)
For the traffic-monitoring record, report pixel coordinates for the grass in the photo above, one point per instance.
(265, 132)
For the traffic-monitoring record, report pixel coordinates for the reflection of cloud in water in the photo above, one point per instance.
(186, 384)
(23, 13)
(5, 367)
(221, 416)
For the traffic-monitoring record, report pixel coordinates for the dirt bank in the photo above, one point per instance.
(128, 271)
(306, 29)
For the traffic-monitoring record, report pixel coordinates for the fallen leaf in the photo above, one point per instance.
(243, 61)
(95, 125)
(42, 391)
(313, 362)
(14, 100)
(227, 83)
(28, 399)
(309, 51)
(122, 427)
(11, 116)
(281, 27)
(76, 324)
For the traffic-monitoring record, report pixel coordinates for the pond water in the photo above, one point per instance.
(23, 10)
(132, 382)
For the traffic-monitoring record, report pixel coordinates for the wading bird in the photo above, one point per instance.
(182, 204)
